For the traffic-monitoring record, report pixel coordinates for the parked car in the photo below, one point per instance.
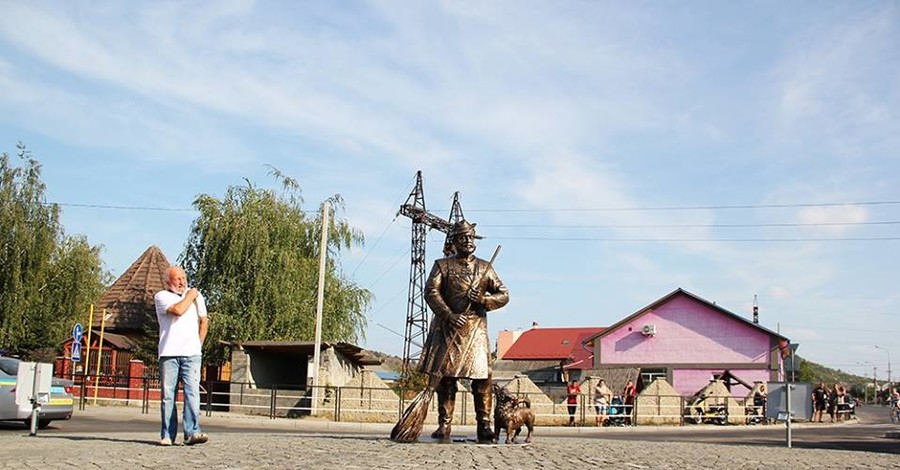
(61, 403)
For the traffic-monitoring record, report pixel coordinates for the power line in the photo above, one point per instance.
(128, 208)
(842, 328)
(383, 306)
(137, 208)
(386, 227)
(683, 208)
(599, 209)
(702, 240)
(396, 259)
(372, 249)
(797, 224)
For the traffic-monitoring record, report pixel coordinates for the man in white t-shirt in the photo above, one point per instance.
(183, 322)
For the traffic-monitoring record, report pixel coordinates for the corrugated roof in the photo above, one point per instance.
(549, 343)
(121, 342)
(352, 351)
(129, 300)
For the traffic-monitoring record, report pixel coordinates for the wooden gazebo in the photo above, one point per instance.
(130, 317)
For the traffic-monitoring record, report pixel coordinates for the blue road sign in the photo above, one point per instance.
(77, 333)
(76, 352)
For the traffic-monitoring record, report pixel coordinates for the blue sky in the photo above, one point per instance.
(617, 150)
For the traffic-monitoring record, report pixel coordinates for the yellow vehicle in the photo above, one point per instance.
(701, 409)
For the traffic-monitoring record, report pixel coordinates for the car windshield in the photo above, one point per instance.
(9, 365)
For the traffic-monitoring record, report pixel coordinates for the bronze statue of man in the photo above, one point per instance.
(460, 290)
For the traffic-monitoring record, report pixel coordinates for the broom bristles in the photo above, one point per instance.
(410, 424)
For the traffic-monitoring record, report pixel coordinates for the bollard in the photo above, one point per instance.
(787, 391)
(145, 398)
(35, 413)
(337, 404)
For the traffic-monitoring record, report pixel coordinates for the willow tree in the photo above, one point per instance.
(47, 278)
(254, 254)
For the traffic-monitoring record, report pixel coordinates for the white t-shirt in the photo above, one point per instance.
(179, 335)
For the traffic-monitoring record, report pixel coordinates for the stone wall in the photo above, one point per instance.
(365, 398)
(658, 403)
(546, 411)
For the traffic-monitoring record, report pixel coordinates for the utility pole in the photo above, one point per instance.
(890, 382)
(866, 385)
(875, 382)
(320, 303)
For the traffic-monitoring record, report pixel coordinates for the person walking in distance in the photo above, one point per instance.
(820, 402)
(629, 393)
(572, 392)
(460, 290)
(602, 400)
(183, 323)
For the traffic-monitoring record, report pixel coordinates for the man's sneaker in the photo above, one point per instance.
(198, 438)
(165, 442)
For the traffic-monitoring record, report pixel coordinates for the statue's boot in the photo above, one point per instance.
(481, 393)
(446, 395)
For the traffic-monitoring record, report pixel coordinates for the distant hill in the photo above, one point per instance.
(813, 372)
(389, 362)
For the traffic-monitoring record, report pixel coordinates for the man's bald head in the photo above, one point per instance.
(176, 280)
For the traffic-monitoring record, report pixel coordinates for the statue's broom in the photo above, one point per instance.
(410, 424)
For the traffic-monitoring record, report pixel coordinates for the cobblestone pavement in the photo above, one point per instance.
(324, 445)
(292, 450)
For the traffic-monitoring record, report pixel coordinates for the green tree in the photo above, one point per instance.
(807, 373)
(48, 278)
(255, 256)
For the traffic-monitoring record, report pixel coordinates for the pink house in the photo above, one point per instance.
(688, 341)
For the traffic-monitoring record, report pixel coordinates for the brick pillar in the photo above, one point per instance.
(135, 379)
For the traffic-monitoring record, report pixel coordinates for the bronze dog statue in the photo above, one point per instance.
(511, 413)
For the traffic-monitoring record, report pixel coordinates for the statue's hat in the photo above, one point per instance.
(461, 227)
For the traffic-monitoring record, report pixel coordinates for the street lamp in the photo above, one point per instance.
(890, 383)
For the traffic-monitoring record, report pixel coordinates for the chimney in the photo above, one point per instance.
(755, 310)
(505, 340)
(534, 324)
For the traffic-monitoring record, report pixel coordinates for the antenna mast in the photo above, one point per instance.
(755, 310)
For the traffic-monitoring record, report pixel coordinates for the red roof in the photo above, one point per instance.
(550, 343)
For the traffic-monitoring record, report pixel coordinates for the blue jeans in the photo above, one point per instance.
(187, 369)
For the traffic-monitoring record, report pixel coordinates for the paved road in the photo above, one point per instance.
(105, 437)
(865, 434)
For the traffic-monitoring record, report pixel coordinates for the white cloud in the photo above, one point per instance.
(827, 96)
(780, 292)
(799, 334)
(828, 215)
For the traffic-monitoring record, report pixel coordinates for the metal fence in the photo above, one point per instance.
(382, 404)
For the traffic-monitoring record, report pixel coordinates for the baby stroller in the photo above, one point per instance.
(617, 416)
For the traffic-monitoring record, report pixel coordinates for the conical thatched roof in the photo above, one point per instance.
(129, 300)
